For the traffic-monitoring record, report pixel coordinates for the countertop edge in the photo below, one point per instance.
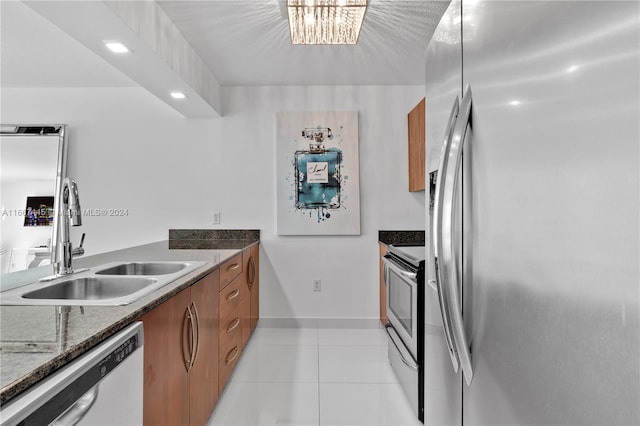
(401, 237)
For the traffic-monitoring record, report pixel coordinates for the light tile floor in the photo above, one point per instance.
(303, 376)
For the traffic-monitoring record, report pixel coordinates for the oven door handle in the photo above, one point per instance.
(439, 196)
(397, 342)
(447, 250)
(390, 263)
(385, 268)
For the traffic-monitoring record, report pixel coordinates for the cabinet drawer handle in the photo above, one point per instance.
(233, 266)
(252, 272)
(235, 293)
(235, 352)
(189, 316)
(197, 327)
(233, 325)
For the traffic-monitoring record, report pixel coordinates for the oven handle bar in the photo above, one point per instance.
(404, 354)
(385, 269)
(391, 263)
(438, 236)
(448, 250)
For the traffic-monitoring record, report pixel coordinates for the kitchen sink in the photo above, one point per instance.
(144, 268)
(112, 284)
(91, 288)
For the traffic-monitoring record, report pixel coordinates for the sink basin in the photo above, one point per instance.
(144, 268)
(91, 288)
(112, 284)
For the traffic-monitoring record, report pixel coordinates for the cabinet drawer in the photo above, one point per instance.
(229, 327)
(230, 269)
(230, 298)
(229, 355)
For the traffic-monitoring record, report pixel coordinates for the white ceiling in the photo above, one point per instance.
(36, 53)
(243, 42)
(247, 42)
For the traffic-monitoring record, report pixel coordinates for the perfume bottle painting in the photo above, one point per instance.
(317, 172)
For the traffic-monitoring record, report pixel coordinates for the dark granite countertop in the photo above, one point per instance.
(37, 340)
(416, 238)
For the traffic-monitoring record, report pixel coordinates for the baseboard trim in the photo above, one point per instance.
(278, 322)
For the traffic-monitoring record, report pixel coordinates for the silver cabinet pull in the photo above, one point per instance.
(78, 410)
(449, 271)
(233, 325)
(235, 351)
(252, 272)
(235, 293)
(197, 334)
(233, 266)
(189, 315)
(438, 234)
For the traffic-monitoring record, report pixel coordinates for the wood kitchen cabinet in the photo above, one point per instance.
(230, 270)
(194, 339)
(180, 356)
(166, 381)
(204, 372)
(383, 287)
(231, 317)
(251, 301)
(416, 122)
(239, 311)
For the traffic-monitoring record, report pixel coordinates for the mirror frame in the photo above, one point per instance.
(23, 130)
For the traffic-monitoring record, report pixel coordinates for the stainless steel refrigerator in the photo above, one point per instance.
(532, 309)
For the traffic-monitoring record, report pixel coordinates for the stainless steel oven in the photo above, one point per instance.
(404, 278)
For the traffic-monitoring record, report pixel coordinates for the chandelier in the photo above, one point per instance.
(325, 21)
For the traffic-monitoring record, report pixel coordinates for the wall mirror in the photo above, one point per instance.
(32, 167)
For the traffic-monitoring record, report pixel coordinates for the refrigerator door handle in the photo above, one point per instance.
(437, 235)
(449, 273)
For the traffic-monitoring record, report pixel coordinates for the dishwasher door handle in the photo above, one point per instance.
(77, 411)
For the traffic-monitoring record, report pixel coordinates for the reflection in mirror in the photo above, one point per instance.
(32, 166)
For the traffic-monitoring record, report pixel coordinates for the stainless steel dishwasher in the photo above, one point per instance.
(102, 387)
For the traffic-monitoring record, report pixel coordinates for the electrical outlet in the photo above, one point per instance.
(317, 285)
(216, 218)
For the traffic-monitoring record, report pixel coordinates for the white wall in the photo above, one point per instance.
(127, 150)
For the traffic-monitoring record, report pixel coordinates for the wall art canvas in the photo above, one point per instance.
(318, 173)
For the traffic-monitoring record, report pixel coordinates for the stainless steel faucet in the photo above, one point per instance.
(71, 214)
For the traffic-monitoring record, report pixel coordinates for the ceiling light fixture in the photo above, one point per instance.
(325, 21)
(116, 47)
(178, 95)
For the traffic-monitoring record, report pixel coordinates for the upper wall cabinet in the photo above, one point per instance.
(416, 120)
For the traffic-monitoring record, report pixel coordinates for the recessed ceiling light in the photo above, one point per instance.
(515, 103)
(178, 95)
(116, 47)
